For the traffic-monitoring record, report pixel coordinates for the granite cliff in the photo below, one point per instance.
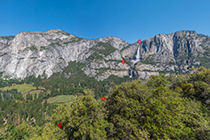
(38, 53)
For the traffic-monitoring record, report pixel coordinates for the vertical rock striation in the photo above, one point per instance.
(38, 53)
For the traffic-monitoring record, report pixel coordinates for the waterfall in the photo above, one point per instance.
(131, 74)
(137, 56)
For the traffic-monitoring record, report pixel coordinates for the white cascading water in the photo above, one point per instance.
(137, 56)
(135, 60)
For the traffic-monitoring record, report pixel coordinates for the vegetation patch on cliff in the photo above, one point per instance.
(103, 48)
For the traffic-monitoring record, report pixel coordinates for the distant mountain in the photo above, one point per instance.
(38, 53)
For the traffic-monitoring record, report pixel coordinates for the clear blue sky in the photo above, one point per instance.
(128, 19)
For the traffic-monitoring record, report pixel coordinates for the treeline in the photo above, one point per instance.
(9, 82)
(14, 108)
(72, 80)
(173, 107)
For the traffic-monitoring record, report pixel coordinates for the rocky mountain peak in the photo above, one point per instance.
(186, 33)
(55, 31)
(37, 53)
(114, 41)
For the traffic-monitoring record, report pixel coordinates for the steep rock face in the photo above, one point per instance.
(33, 53)
(186, 50)
(38, 53)
(176, 52)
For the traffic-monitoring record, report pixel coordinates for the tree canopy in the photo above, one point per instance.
(161, 107)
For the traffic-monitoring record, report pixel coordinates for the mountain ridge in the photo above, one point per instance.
(38, 53)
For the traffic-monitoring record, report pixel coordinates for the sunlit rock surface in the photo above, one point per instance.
(38, 53)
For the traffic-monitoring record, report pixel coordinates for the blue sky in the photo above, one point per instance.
(129, 20)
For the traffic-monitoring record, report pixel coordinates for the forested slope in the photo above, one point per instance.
(161, 107)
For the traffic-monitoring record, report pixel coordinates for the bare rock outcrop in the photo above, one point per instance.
(38, 53)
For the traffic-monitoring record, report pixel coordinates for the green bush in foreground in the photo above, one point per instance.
(160, 108)
(159, 111)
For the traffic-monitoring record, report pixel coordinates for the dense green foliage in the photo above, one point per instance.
(14, 108)
(72, 80)
(161, 107)
(5, 83)
(194, 86)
